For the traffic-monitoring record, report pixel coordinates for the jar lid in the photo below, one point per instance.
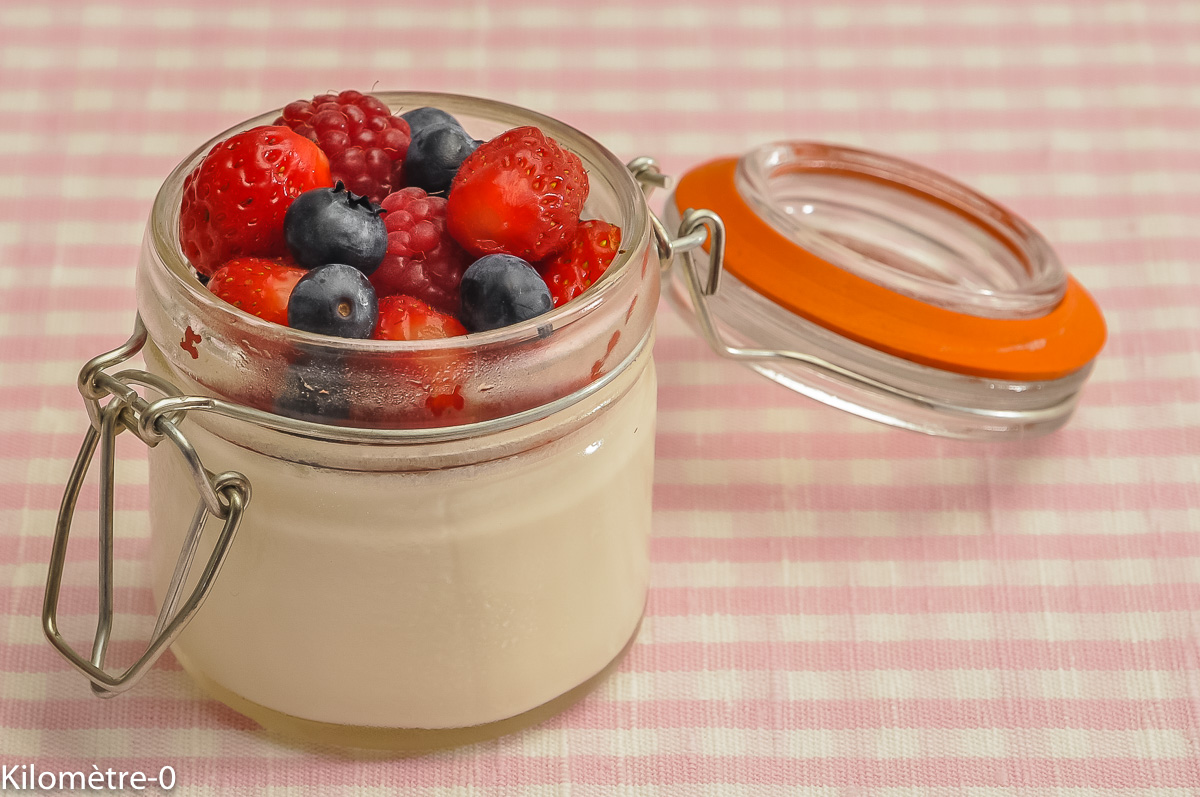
(888, 290)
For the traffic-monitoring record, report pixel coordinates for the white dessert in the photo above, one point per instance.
(370, 592)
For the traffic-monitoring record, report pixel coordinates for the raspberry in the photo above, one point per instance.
(365, 143)
(422, 259)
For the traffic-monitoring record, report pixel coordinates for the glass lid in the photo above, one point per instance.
(886, 289)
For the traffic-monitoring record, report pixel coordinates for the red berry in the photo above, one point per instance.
(257, 285)
(518, 194)
(573, 270)
(436, 377)
(422, 259)
(235, 200)
(409, 318)
(365, 143)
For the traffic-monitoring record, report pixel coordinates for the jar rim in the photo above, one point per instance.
(857, 210)
(163, 230)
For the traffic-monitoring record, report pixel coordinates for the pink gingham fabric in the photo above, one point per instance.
(838, 608)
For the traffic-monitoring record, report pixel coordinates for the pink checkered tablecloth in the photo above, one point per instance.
(838, 608)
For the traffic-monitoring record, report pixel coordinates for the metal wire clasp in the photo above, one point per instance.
(696, 228)
(224, 496)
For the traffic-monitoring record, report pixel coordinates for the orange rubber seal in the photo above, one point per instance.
(1025, 350)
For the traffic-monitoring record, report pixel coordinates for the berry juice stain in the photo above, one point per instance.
(188, 344)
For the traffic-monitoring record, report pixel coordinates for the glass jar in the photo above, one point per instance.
(447, 539)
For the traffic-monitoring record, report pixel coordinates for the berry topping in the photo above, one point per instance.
(408, 318)
(573, 270)
(498, 290)
(259, 286)
(434, 156)
(235, 200)
(332, 225)
(518, 194)
(422, 259)
(365, 143)
(420, 118)
(335, 299)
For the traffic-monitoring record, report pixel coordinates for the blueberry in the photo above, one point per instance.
(434, 156)
(420, 118)
(332, 225)
(498, 290)
(314, 389)
(334, 299)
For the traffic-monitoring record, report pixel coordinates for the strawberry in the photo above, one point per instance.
(257, 285)
(409, 318)
(235, 200)
(437, 377)
(519, 194)
(573, 270)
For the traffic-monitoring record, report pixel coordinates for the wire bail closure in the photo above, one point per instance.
(224, 496)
